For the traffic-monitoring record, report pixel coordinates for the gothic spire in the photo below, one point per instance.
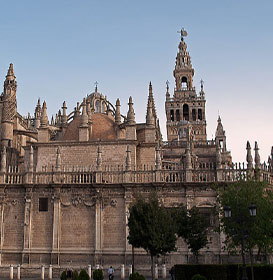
(131, 113)
(167, 91)
(117, 114)
(219, 130)
(84, 117)
(257, 156)
(10, 75)
(151, 97)
(44, 118)
(64, 116)
(249, 156)
(150, 121)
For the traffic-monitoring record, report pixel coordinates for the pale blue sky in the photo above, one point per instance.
(60, 48)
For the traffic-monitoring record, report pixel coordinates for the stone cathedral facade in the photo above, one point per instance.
(66, 184)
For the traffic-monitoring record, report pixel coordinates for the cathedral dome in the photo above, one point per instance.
(103, 128)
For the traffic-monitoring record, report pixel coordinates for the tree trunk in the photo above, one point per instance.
(133, 259)
(251, 263)
(152, 259)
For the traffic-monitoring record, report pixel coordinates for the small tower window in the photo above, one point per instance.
(178, 115)
(186, 112)
(184, 83)
(43, 204)
(98, 106)
(172, 115)
(200, 114)
(193, 114)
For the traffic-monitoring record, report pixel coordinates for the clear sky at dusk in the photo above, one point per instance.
(60, 48)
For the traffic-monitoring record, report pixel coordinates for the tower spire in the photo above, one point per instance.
(9, 107)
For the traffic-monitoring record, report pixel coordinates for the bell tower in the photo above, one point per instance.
(185, 111)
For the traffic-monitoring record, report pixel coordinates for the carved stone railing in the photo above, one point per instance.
(82, 176)
(180, 143)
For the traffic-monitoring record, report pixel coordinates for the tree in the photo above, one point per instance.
(151, 227)
(254, 231)
(192, 227)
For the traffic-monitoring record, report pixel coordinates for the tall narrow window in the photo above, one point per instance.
(172, 115)
(200, 114)
(184, 82)
(178, 115)
(43, 204)
(186, 112)
(193, 114)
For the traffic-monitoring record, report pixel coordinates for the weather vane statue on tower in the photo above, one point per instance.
(183, 33)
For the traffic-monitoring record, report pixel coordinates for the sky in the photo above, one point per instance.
(61, 48)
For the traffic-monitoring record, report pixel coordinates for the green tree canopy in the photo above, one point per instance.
(151, 227)
(192, 227)
(257, 230)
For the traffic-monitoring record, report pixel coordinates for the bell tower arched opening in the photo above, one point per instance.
(172, 115)
(200, 114)
(186, 112)
(184, 82)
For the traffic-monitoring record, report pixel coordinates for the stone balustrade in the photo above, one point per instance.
(110, 175)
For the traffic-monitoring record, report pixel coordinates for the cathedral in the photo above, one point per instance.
(66, 184)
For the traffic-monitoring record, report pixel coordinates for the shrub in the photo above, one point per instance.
(75, 275)
(136, 276)
(98, 274)
(198, 277)
(63, 275)
(83, 275)
(223, 272)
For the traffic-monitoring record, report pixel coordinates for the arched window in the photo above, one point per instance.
(200, 114)
(103, 105)
(172, 115)
(186, 112)
(184, 82)
(97, 106)
(178, 115)
(193, 114)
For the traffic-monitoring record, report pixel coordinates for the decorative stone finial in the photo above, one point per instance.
(44, 118)
(77, 111)
(28, 120)
(257, 156)
(37, 114)
(89, 111)
(84, 116)
(64, 116)
(150, 121)
(249, 156)
(131, 113)
(167, 90)
(117, 114)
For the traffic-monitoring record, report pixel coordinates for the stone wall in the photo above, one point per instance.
(86, 224)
